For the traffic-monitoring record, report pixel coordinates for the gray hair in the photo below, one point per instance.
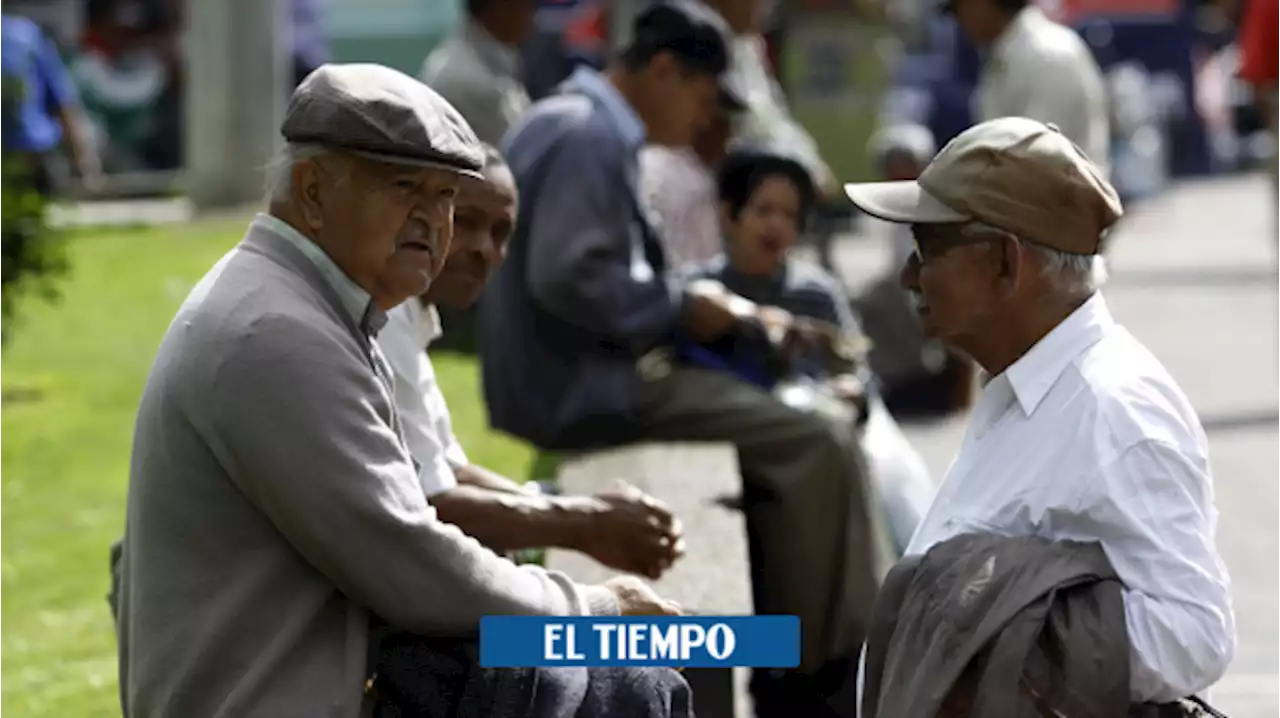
(1071, 274)
(279, 171)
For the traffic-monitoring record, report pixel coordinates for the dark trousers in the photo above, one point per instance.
(817, 546)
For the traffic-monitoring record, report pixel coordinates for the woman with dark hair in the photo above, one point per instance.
(765, 202)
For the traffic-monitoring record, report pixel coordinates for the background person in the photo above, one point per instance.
(578, 328)
(42, 110)
(765, 200)
(624, 528)
(1037, 68)
(767, 120)
(477, 69)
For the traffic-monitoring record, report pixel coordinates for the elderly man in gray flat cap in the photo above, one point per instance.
(275, 519)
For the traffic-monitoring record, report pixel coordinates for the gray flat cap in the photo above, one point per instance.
(383, 114)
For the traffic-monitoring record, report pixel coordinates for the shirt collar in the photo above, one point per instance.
(423, 321)
(355, 300)
(623, 116)
(500, 57)
(428, 323)
(1018, 27)
(1038, 370)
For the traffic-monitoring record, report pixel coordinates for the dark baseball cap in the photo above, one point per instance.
(383, 114)
(691, 31)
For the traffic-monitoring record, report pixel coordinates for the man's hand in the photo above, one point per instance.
(849, 388)
(779, 325)
(636, 598)
(629, 530)
(711, 310)
(793, 336)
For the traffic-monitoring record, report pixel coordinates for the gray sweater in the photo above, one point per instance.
(273, 509)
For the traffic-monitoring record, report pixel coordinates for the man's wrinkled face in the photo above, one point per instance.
(483, 221)
(387, 226)
(952, 281)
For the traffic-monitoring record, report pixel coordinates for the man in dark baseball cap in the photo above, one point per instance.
(578, 327)
(276, 524)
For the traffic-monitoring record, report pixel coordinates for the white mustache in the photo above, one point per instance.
(419, 231)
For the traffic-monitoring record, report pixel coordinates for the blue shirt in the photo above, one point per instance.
(584, 292)
(34, 73)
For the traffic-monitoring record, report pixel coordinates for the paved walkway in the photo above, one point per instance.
(1193, 276)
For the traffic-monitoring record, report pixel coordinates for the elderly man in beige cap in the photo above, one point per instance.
(1079, 433)
(275, 518)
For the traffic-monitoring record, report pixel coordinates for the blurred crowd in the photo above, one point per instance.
(123, 59)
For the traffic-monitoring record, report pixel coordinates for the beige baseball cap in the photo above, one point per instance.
(1017, 174)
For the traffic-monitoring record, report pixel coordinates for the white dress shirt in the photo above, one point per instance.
(424, 415)
(681, 190)
(1087, 437)
(1045, 71)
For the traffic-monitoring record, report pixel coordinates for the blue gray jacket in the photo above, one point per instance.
(583, 293)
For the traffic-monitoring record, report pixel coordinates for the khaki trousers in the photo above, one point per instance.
(818, 549)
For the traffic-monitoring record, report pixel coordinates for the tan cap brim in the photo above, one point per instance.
(901, 202)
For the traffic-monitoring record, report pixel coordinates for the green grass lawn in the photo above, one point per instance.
(72, 375)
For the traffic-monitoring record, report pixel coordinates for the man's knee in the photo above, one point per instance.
(815, 449)
(833, 440)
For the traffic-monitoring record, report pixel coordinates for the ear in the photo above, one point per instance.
(308, 193)
(1015, 265)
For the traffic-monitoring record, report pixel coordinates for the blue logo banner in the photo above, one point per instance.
(685, 641)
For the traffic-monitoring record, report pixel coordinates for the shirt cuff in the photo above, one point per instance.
(436, 477)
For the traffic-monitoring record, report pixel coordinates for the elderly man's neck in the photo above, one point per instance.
(287, 213)
(1007, 340)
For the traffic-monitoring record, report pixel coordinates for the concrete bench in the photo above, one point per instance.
(695, 480)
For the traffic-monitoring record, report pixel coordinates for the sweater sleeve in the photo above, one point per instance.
(294, 408)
